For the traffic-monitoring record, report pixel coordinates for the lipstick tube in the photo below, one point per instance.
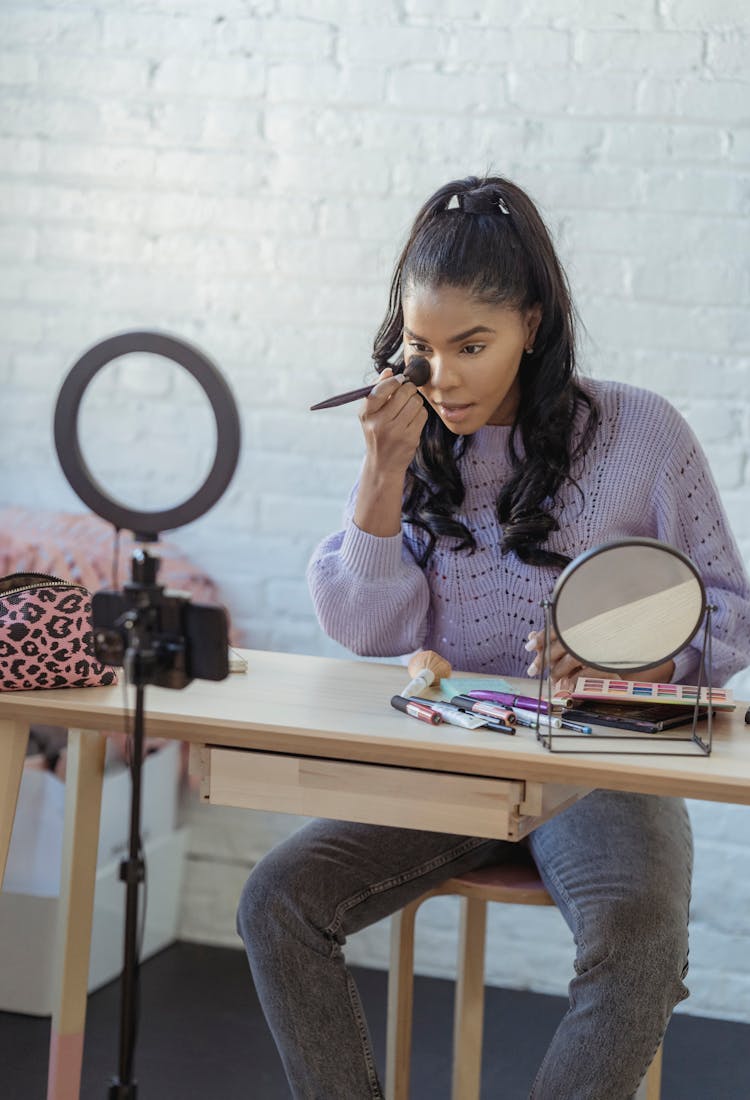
(506, 698)
(454, 716)
(550, 720)
(560, 700)
(420, 711)
(492, 710)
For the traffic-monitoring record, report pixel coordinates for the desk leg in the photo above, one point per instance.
(83, 796)
(14, 737)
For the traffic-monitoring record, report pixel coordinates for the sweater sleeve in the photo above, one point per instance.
(368, 591)
(690, 517)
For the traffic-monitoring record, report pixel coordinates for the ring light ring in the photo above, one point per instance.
(146, 525)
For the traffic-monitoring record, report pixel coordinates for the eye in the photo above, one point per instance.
(416, 346)
(472, 349)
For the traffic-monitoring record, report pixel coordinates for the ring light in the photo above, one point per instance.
(146, 525)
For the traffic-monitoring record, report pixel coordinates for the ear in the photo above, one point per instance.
(532, 320)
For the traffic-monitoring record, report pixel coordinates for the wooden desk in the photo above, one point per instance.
(318, 737)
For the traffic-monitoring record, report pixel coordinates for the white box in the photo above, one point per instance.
(29, 900)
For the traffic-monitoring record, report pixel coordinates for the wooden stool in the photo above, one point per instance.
(515, 883)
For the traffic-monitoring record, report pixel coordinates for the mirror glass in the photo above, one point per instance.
(628, 605)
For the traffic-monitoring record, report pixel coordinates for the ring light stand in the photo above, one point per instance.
(158, 637)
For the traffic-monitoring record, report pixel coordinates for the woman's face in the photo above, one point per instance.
(474, 350)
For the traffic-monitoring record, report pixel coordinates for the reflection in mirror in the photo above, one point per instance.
(628, 605)
(131, 428)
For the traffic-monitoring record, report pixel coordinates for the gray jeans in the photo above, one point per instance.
(618, 865)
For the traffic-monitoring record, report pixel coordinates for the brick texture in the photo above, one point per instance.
(243, 174)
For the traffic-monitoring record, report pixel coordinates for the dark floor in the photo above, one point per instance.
(202, 1037)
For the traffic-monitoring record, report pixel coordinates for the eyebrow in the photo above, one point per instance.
(453, 339)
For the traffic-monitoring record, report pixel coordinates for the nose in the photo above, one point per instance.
(442, 372)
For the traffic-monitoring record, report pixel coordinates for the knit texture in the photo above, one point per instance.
(644, 474)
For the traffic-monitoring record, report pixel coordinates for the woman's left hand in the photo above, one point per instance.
(565, 668)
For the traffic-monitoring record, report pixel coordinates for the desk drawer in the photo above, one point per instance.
(381, 795)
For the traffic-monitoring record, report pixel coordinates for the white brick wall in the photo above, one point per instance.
(243, 174)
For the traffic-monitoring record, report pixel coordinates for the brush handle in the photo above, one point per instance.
(419, 683)
(344, 398)
(417, 370)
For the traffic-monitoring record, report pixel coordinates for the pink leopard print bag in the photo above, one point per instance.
(45, 635)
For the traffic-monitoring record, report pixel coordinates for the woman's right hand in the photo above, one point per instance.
(392, 418)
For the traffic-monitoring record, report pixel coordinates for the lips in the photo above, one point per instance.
(453, 413)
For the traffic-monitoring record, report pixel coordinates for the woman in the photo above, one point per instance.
(476, 489)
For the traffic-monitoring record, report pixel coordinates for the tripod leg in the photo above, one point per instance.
(83, 795)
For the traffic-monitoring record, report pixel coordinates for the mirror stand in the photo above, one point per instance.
(546, 665)
(704, 668)
(626, 741)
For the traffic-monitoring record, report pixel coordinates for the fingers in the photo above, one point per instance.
(414, 414)
(568, 683)
(390, 395)
(566, 667)
(562, 664)
(392, 418)
(380, 394)
(535, 645)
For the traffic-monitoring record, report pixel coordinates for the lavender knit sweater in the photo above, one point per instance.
(644, 475)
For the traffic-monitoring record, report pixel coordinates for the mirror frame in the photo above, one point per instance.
(572, 568)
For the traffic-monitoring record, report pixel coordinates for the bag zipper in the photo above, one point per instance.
(46, 581)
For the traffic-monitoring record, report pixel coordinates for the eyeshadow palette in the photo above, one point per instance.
(637, 691)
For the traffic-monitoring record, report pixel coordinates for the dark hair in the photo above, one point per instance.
(486, 235)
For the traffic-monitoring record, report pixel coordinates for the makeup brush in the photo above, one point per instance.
(417, 370)
(425, 668)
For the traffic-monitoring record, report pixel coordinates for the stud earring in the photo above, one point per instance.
(529, 351)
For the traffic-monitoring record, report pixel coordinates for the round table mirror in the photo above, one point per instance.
(628, 605)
